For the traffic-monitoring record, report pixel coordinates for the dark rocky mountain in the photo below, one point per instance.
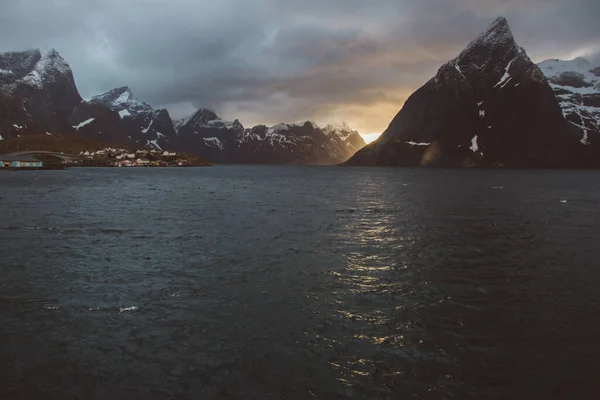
(576, 84)
(143, 125)
(489, 107)
(208, 136)
(37, 93)
(98, 123)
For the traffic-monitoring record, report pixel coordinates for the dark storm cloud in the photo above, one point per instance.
(275, 60)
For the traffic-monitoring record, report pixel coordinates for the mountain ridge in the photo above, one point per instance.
(285, 143)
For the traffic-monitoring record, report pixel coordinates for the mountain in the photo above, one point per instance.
(98, 123)
(206, 134)
(142, 125)
(37, 93)
(576, 84)
(489, 107)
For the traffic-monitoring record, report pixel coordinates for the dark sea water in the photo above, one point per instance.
(299, 283)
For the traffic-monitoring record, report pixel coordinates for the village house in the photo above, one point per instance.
(20, 162)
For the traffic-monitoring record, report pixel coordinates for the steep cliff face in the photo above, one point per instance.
(489, 107)
(37, 93)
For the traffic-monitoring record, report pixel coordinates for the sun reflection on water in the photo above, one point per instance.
(379, 296)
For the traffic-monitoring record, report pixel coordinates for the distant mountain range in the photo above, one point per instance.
(489, 107)
(38, 95)
(492, 107)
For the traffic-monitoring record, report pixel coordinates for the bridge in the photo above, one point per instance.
(33, 153)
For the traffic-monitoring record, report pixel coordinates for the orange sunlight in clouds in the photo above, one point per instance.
(370, 137)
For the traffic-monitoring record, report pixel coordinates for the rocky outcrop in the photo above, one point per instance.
(489, 107)
(143, 125)
(576, 85)
(37, 93)
(208, 136)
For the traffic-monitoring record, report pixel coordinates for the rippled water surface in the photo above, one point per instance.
(299, 283)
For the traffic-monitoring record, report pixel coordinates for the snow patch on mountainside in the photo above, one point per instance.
(474, 145)
(153, 143)
(214, 142)
(84, 123)
(124, 113)
(506, 78)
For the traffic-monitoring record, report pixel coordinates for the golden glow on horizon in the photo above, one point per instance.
(370, 137)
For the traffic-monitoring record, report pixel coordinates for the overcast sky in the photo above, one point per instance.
(268, 61)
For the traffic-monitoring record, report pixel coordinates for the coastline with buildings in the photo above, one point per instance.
(45, 152)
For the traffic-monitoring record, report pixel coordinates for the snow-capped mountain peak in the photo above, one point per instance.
(338, 127)
(200, 118)
(48, 69)
(576, 84)
(120, 99)
(144, 125)
(577, 73)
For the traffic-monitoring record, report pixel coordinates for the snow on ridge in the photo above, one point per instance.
(418, 144)
(46, 69)
(1, 138)
(554, 67)
(302, 123)
(277, 128)
(571, 89)
(219, 123)
(84, 123)
(17, 126)
(343, 130)
(122, 99)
